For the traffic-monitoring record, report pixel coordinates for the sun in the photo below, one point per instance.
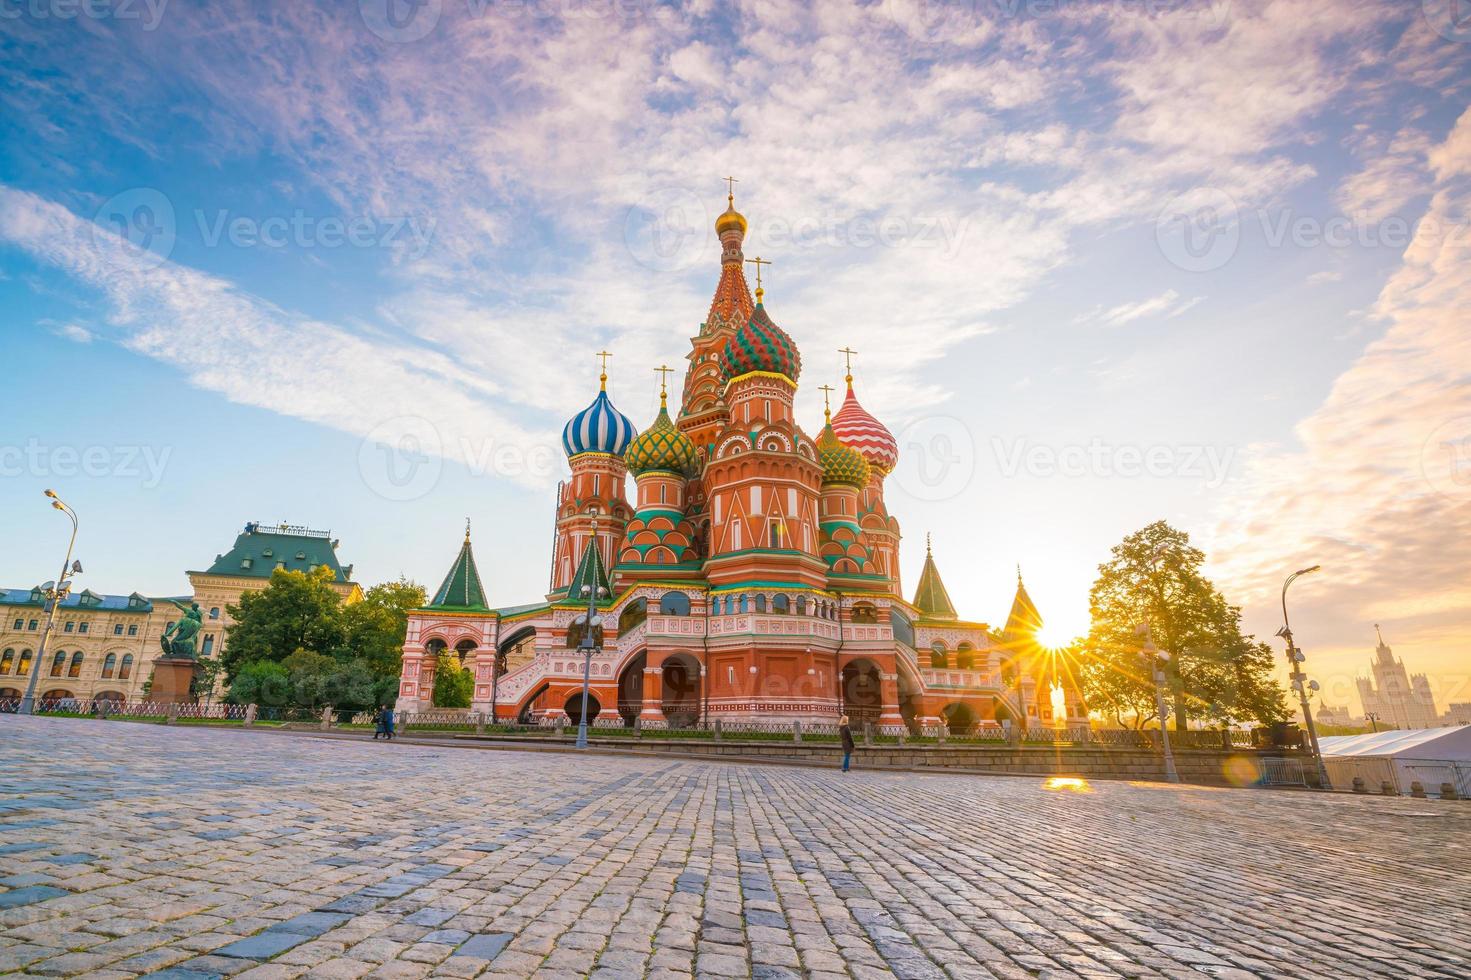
(1055, 637)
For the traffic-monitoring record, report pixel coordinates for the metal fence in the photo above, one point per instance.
(1280, 771)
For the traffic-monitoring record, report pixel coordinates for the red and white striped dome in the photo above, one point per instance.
(856, 428)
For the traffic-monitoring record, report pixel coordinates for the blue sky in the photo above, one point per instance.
(1103, 263)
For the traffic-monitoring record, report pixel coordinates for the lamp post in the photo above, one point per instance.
(1373, 720)
(1295, 660)
(55, 594)
(588, 643)
(1156, 659)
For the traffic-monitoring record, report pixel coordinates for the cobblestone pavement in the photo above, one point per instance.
(130, 849)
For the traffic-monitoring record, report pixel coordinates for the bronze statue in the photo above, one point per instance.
(178, 640)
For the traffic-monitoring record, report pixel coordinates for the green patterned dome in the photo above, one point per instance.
(661, 447)
(760, 345)
(840, 463)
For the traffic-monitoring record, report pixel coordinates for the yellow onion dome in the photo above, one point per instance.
(730, 219)
(840, 463)
(662, 447)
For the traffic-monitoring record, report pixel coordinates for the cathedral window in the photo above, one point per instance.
(781, 604)
(126, 670)
(75, 670)
(755, 500)
(7, 661)
(761, 603)
(109, 665)
(58, 663)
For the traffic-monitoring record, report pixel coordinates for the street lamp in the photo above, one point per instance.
(588, 642)
(1295, 660)
(1156, 659)
(55, 594)
(1373, 720)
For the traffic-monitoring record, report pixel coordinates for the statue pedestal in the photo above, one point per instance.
(171, 679)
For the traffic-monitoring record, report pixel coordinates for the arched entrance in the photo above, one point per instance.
(631, 689)
(863, 698)
(959, 718)
(680, 679)
(533, 705)
(465, 649)
(573, 707)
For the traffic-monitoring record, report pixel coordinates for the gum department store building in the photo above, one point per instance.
(754, 577)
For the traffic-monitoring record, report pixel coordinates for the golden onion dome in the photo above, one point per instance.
(730, 218)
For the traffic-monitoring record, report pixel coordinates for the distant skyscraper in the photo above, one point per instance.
(1398, 699)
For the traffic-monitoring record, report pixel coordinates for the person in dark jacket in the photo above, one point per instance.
(846, 734)
(388, 721)
(378, 727)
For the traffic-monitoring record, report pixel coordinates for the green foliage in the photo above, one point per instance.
(296, 611)
(346, 654)
(374, 628)
(453, 684)
(1214, 670)
(262, 682)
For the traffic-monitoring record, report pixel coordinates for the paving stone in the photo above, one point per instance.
(347, 859)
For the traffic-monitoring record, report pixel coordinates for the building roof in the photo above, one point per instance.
(1449, 744)
(590, 571)
(930, 597)
(84, 600)
(260, 549)
(1024, 619)
(461, 588)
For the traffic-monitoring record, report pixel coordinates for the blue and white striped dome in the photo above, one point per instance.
(599, 428)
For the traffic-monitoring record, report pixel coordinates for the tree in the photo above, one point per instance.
(262, 682)
(374, 628)
(295, 611)
(207, 676)
(1214, 670)
(311, 677)
(453, 684)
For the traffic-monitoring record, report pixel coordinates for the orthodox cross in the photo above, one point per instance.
(603, 356)
(758, 262)
(467, 530)
(848, 353)
(663, 371)
(927, 542)
(730, 183)
(827, 409)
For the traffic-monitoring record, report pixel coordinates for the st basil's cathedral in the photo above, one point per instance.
(753, 578)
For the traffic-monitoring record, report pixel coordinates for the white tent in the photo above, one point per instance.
(1428, 756)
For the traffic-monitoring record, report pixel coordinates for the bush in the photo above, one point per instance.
(262, 682)
(453, 684)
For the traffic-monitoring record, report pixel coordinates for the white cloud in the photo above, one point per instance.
(1379, 491)
(1165, 306)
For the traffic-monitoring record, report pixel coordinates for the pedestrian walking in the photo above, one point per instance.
(388, 721)
(846, 734)
(378, 727)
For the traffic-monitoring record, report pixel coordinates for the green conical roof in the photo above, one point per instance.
(590, 571)
(461, 588)
(930, 598)
(1024, 620)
